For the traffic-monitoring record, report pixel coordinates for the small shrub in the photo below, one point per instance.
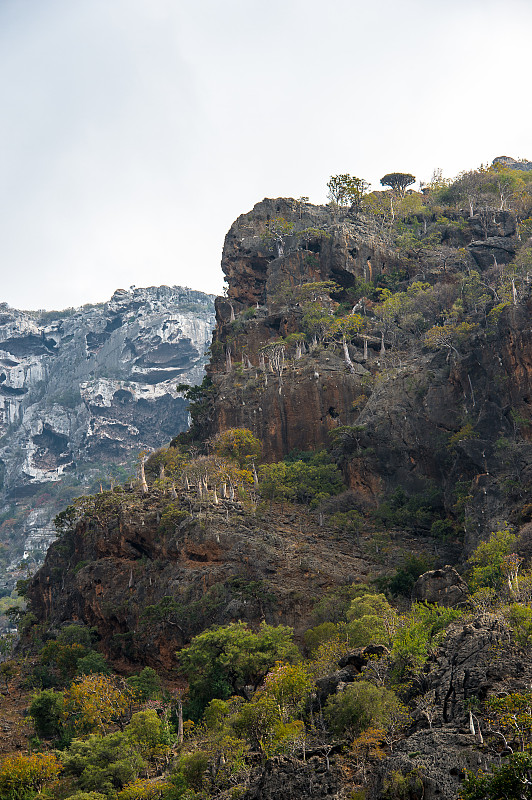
(520, 619)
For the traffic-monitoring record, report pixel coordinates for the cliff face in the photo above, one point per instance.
(407, 399)
(82, 391)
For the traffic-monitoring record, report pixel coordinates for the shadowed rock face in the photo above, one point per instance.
(87, 388)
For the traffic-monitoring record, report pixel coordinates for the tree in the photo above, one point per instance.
(398, 181)
(92, 663)
(260, 721)
(46, 710)
(227, 660)
(487, 560)
(146, 685)
(276, 234)
(342, 329)
(346, 190)
(448, 335)
(303, 481)
(103, 763)
(367, 748)
(22, 776)
(94, 702)
(511, 780)
(289, 685)
(366, 617)
(145, 789)
(238, 444)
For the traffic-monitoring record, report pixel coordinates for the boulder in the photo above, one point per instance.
(442, 586)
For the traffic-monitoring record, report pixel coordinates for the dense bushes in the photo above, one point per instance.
(307, 478)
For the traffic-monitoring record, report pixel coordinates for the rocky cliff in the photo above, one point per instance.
(403, 346)
(293, 392)
(82, 392)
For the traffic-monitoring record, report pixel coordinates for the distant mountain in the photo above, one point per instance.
(82, 391)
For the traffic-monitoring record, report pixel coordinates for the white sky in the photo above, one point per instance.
(135, 131)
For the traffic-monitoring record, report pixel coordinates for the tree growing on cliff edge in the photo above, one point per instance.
(276, 233)
(398, 181)
(346, 190)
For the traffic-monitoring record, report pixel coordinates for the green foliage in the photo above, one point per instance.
(309, 480)
(366, 616)
(22, 586)
(345, 439)
(415, 512)
(238, 444)
(289, 685)
(465, 432)
(192, 768)
(76, 634)
(169, 459)
(46, 710)
(513, 779)
(403, 580)
(261, 723)
(316, 636)
(149, 735)
(201, 402)
(146, 685)
(103, 763)
(146, 789)
(57, 663)
(398, 181)
(361, 705)
(346, 190)
(171, 517)
(486, 562)
(222, 661)
(403, 786)
(418, 634)
(333, 606)
(520, 619)
(449, 336)
(93, 663)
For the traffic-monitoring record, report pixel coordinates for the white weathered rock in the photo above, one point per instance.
(90, 388)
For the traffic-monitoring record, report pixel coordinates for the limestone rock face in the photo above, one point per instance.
(513, 163)
(86, 389)
(442, 586)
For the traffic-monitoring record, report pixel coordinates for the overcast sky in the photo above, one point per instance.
(134, 131)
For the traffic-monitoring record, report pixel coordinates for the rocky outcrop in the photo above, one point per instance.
(149, 576)
(284, 778)
(513, 163)
(408, 401)
(312, 243)
(442, 586)
(83, 391)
